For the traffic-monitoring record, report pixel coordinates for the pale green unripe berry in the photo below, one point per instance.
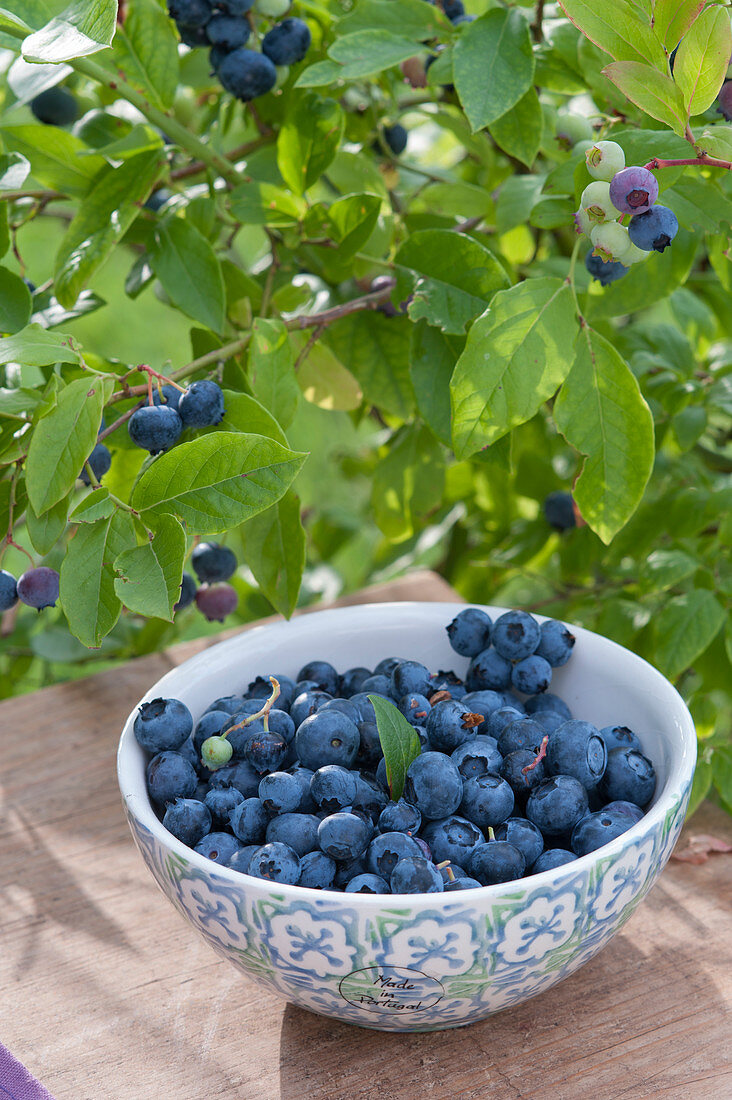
(273, 8)
(583, 223)
(572, 128)
(596, 203)
(215, 752)
(634, 255)
(604, 160)
(611, 241)
(283, 71)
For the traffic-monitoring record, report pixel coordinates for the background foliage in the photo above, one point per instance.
(373, 439)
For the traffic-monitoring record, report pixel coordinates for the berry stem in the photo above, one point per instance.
(263, 713)
(539, 756)
(702, 158)
(8, 540)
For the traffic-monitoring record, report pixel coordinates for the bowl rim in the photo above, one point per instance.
(139, 806)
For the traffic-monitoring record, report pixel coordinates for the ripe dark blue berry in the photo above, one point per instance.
(629, 776)
(516, 635)
(169, 776)
(187, 819)
(449, 725)
(410, 678)
(724, 101)
(367, 884)
(344, 836)
(248, 819)
(317, 871)
(322, 674)
(489, 671)
(619, 737)
(190, 13)
(349, 683)
(331, 788)
(559, 506)
(220, 801)
(594, 830)
(247, 74)
(577, 749)
(163, 724)
(524, 733)
(155, 428)
(167, 395)
(39, 587)
(54, 107)
(396, 138)
(453, 838)
(298, 831)
(433, 785)
(154, 202)
(524, 835)
(212, 562)
(188, 589)
(280, 793)
(532, 675)
(8, 590)
(227, 32)
(557, 804)
(327, 737)
(100, 461)
(551, 858)
(654, 230)
(606, 272)
(276, 862)
(202, 404)
(487, 801)
(470, 632)
(416, 875)
(556, 643)
(547, 701)
(399, 817)
(476, 757)
(496, 861)
(287, 42)
(219, 847)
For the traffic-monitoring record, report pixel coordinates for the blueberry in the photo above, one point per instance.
(322, 674)
(604, 160)
(594, 830)
(453, 9)
(635, 813)
(376, 685)
(549, 719)
(349, 683)
(163, 724)
(307, 703)
(188, 820)
(242, 858)
(327, 737)
(220, 802)
(654, 230)
(191, 754)
(556, 643)
(188, 589)
(367, 884)
(54, 107)
(38, 587)
(298, 831)
(547, 701)
(559, 506)
(317, 871)
(519, 780)
(387, 665)
(516, 635)
(191, 13)
(485, 703)
(498, 720)
(524, 733)
(416, 875)
(170, 776)
(385, 851)
(100, 461)
(496, 861)
(577, 749)
(248, 820)
(346, 871)
(629, 776)
(477, 757)
(488, 671)
(227, 32)
(433, 785)
(395, 138)
(449, 682)
(606, 272)
(212, 562)
(287, 42)
(192, 36)
(266, 751)
(217, 602)
(410, 678)
(633, 190)
(370, 751)
(219, 847)
(154, 202)
(453, 838)
(280, 793)
(470, 632)
(551, 858)
(371, 796)
(303, 777)
(332, 787)
(240, 775)
(449, 725)
(724, 101)
(229, 703)
(344, 836)
(276, 862)
(399, 817)
(167, 395)
(202, 404)
(155, 428)
(465, 883)
(524, 835)
(415, 708)
(557, 804)
(487, 801)
(8, 590)
(532, 675)
(620, 737)
(237, 7)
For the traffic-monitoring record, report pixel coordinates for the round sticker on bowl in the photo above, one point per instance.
(391, 989)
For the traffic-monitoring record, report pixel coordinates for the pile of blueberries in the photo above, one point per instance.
(227, 26)
(614, 192)
(507, 783)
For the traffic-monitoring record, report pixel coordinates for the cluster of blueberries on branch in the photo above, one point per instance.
(228, 29)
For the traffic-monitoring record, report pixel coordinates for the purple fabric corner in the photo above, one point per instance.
(16, 1083)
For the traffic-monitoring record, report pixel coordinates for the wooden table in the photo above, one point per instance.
(106, 994)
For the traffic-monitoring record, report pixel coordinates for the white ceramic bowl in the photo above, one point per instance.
(429, 961)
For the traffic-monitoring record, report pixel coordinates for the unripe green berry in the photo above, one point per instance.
(604, 160)
(611, 241)
(273, 9)
(572, 128)
(283, 71)
(634, 255)
(583, 222)
(215, 752)
(596, 203)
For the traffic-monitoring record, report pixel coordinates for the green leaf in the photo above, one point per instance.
(49, 313)
(409, 19)
(375, 349)
(103, 218)
(19, 503)
(351, 221)
(22, 400)
(14, 169)
(146, 50)
(519, 131)
(84, 28)
(517, 354)
(15, 302)
(722, 775)
(4, 229)
(96, 505)
(34, 347)
(672, 19)
(150, 575)
(63, 439)
(273, 546)
(265, 204)
(701, 786)
(654, 92)
(617, 29)
(244, 413)
(399, 741)
(55, 157)
(271, 369)
(46, 530)
(493, 65)
(10, 22)
(434, 356)
(665, 568)
(699, 204)
(309, 139)
(703, 57)
(684, 628)
(602, 413)
(717, 141)
(451, 276)
(217, 481)
(325, 382)
(319, 75)
(368, 52)
(190, 273)
(408, 482)
(87, 597)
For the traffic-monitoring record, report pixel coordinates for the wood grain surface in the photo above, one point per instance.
(107, 994)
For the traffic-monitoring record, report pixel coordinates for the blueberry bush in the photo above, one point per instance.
(297, 296)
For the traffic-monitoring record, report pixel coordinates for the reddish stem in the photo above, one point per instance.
(539, 756)
(703, 158)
